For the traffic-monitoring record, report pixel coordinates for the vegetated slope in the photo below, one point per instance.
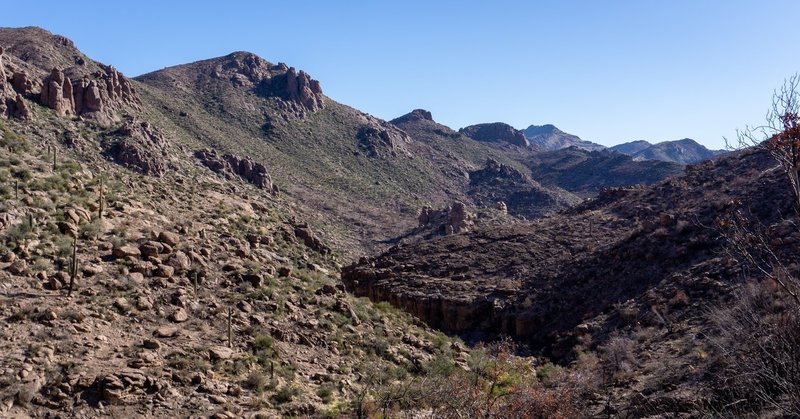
(685, 151)
(636, 267)
(363, 178)
(196, 289)
(550, 138)
(586, 172)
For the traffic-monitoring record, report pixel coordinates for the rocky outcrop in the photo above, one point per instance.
(301, 88)
(242, 167)
(380, 142)
(415, 115)
(138, 146)
(101, 94)
(458, 219)
(304, 233)
(98, 95)
(21, 109)
(300, 93)
(449, 220)
(523, 196)
(57, 93)
(24, 84)
(494, 170)
(4, 87)
(496, 132)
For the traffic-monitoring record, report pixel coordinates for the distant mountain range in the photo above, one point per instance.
(685, 151)
(549, 138)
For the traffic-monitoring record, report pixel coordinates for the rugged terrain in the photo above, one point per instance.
(173, 245)
(144, 274)
(637, 267)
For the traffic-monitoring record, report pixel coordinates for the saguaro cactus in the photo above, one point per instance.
(230, 329)
(73, 269)
(100, 206)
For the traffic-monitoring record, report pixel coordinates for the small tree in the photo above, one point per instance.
(780, 137)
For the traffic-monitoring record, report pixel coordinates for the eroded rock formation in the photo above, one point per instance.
(57, 93)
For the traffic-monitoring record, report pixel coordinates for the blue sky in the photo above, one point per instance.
(609, 72)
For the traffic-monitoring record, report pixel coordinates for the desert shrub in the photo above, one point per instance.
(259, 382)
(325, 392)
(285, 394)
(617, 357)
(757, 353)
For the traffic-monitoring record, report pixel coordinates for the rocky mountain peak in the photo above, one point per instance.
(415, 115)
(495, 132)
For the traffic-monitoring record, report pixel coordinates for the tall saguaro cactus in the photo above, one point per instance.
(73, 268)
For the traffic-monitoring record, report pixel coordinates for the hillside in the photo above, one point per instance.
(145, 274)
(585, 173)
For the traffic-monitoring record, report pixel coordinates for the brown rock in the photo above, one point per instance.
(151, 248)
(232, 165)
(122, 304)
(169, 238)
(126, 251)
(218, 353)
(164, 271)
(21, 109)
(180, 261)
(151, 344)
(18, 267)
(179, 316)
(57, 93)
(166, 332)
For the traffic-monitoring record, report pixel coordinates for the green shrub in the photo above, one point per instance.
(285, 394)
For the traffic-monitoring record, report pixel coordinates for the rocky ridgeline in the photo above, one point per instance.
(496, 132)
(242, 167)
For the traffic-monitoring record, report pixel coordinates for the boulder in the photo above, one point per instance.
(169, 238)
(126, 251)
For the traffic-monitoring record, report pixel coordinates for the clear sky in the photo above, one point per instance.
(608, 71)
